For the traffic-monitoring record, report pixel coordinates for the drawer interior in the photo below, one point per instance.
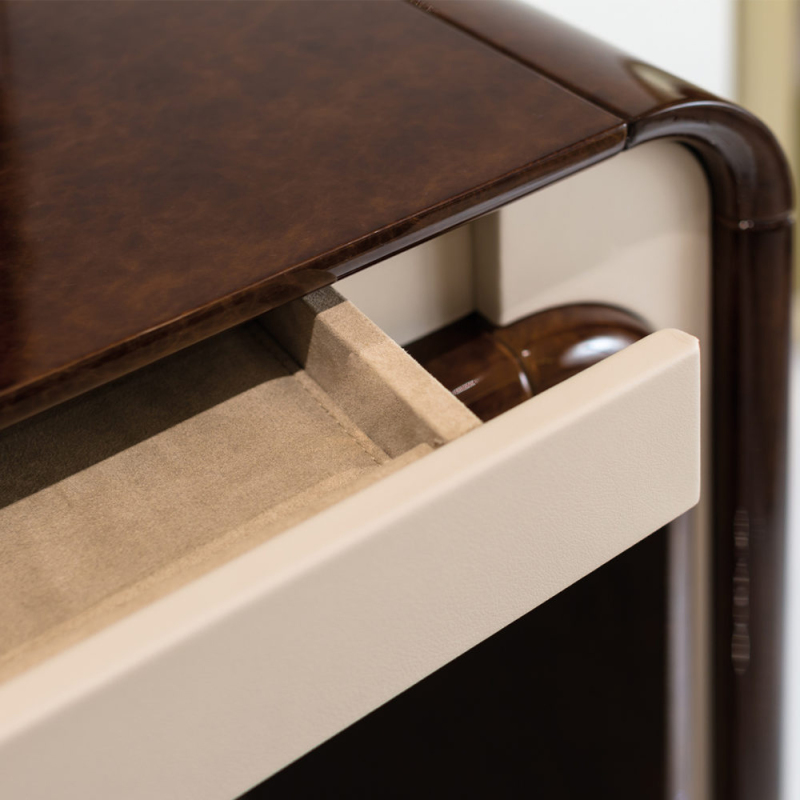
(127, 492)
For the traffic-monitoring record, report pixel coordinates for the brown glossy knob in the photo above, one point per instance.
(492, 369)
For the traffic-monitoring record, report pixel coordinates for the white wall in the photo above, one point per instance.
(693, 39)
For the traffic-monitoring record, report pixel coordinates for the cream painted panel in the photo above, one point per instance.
(237, 674)
(633, 231)
(418, 291)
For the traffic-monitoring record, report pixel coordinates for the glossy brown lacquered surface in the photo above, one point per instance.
(752, 297)
(467, 358)
(588, 66)
(171, 169)
(752, 242)
(493, 369)
(748, 173)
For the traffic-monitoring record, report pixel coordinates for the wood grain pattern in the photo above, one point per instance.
(751, 289)
(169, 169)
(748, 173)
(493, 369)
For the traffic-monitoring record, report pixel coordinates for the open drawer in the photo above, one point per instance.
(213, 565)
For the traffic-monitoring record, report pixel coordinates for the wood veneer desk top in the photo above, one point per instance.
(171, 169)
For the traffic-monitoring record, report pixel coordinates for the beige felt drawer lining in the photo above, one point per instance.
(118, 497)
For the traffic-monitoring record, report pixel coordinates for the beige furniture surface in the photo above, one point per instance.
(110, 500)
(256, 617)
(646, 248)
(300, 546)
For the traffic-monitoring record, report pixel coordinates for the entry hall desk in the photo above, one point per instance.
(247, 539)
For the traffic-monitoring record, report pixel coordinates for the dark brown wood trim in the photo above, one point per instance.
(493, 369)
(752, 245)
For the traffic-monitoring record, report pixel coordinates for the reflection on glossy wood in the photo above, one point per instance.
(169, 170)
(179, 168)
(752, 243)
(492, 369)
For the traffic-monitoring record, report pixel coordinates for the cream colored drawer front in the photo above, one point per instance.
(210, 689)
